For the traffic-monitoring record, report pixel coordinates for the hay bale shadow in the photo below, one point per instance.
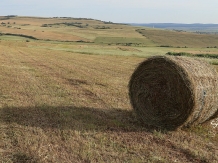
(75, 118)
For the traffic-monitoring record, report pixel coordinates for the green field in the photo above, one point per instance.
(125, 41)
(64, 94)
(180, 38)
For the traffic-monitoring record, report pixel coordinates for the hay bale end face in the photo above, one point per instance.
(170, 92)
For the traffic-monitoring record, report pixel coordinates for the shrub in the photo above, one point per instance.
(179, 54)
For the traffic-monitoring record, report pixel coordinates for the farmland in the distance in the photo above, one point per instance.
(196, 27)
(64, 93)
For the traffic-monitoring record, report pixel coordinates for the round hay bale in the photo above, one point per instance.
(171, 92)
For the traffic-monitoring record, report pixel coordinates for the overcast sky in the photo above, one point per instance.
(119, 11)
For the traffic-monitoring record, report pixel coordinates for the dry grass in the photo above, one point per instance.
(67, 107)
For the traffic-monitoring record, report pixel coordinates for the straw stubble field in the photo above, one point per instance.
(67, 107)
(68, 101)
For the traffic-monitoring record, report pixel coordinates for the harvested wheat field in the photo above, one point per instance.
(60, 106)
(64, 96)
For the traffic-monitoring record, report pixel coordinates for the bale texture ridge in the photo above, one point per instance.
(171, 92)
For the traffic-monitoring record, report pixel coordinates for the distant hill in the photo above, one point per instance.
(197, 27)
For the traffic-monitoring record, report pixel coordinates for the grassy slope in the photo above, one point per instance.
(179, 39)
(58, 103)
(33, 27)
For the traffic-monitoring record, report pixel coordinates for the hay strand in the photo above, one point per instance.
(171, 92)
